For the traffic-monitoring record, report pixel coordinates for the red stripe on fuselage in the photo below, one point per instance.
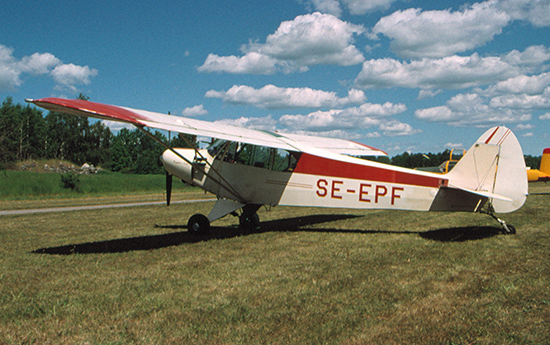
(315, 165)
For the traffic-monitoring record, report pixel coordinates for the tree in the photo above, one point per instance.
(121, 157)
(98, 139)
(31, 134)
(532, 161)
(21, 132)
(10, 118)
(65, 138)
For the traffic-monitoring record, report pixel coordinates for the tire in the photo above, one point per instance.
(512, 229)
(198, 225)
(249, 223)
(509, 229)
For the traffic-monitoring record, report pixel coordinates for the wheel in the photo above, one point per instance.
(249, 223)
(509, 229)
(198, 224)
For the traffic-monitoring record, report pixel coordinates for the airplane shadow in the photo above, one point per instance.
(460, 234)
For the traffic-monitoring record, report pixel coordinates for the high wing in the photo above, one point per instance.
(142, 118)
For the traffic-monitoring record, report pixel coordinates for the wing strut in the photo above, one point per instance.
(227, 186)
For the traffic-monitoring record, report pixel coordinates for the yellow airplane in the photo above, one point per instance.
(543, 174)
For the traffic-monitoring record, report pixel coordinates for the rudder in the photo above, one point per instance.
(494, 167)
(545, 161)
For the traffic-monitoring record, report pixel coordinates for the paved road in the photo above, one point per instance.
(95, 207)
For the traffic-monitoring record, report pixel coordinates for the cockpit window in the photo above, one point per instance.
(254, 155)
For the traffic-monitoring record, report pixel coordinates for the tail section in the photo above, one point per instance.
(494, 169)
(545, 161)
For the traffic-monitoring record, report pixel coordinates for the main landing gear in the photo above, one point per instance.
(249, 220)
(198, 224)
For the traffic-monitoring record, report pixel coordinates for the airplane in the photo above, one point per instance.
(543, 174)
(247, 168)
(446, 166)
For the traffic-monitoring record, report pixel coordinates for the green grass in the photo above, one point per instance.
(310, 276)
(19, 185)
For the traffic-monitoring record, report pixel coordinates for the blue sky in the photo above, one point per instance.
(400, 75)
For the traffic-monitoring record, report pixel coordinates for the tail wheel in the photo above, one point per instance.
(508, 229)
(198, 224)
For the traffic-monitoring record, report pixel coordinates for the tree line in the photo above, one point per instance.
(25, 133)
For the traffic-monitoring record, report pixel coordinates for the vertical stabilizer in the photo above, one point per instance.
(545, 161)
(494, 165)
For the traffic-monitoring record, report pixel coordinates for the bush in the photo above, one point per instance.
(70, 180)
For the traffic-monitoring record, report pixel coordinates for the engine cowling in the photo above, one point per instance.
(177, 166)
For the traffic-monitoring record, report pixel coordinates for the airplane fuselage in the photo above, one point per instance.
(336, 182)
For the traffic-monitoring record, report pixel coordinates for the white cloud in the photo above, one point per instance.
(508, 101)
(9, 72)
(355, 7)
(424, 94)
(446, 73)
(251, 63)
(453, 145)
(534, 11)
(359, 7)
(307, 40)
(545, 116)
(530, 85)
(273, 97)
(362, 117)
(396, 128)
(262, 123)
(533, 56)
(325, 6)
(415, 33)
(197, 110)
(38, 63)
(471, 109)
(115, 126)
(65, 75)
(70, 75)
(522, 101)
(523, 127)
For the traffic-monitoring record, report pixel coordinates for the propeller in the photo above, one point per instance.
(168, 188)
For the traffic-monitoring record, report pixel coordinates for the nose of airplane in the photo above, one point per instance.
(177, 166)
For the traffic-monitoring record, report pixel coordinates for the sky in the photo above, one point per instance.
(399, 75)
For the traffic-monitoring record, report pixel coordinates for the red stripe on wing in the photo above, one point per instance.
(92, 108)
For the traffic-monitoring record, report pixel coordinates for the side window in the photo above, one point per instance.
(284, 160)
(259, 156)
(281, 160)
(244, 154)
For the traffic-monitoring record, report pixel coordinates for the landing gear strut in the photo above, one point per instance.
(249, 219)
(507, 229)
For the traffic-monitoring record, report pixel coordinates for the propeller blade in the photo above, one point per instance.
(168, 188)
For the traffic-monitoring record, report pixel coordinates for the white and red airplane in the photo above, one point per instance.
(248, 168)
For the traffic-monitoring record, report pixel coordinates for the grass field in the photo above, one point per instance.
(310, 276)
(25, 185)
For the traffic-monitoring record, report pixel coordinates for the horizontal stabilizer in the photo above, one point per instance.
(484, 193)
